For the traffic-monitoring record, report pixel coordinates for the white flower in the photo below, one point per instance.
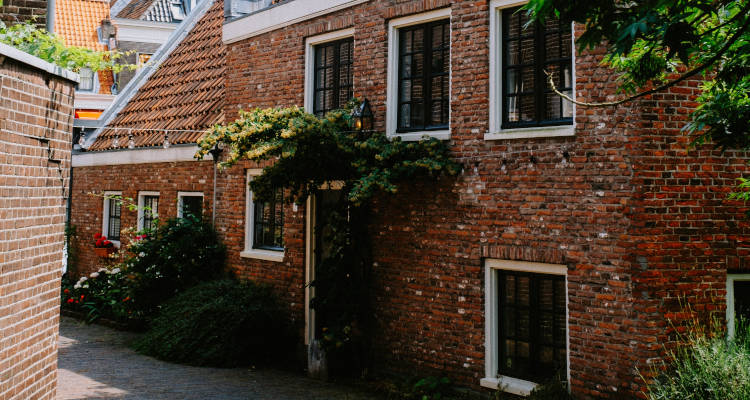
(102, 270)
(83, 279)
(77, 286)
(115, 271)
(94, 274)
(141, 254)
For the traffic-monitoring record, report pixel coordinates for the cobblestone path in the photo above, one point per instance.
(95, 363)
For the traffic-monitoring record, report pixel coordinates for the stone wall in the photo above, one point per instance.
(35, 142)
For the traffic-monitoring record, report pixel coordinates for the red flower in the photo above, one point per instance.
(126, 299)
(66, 291)
(81, 297)
(107, 243)
(97, 235)
(70, 301)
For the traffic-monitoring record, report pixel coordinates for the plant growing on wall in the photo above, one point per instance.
(309, 153)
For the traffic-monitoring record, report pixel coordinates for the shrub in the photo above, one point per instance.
(707, 367)
(221, 323)
(103, 293)
(174, 256)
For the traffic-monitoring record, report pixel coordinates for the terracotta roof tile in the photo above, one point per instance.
(186, 92)
(76, 21)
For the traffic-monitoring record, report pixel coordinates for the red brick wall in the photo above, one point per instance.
(33, 195)
(15, 11)
(637, 218)
(166, 178)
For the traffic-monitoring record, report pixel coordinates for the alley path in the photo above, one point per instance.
(95, 363)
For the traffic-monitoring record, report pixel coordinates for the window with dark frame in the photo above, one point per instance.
(150, 211)
(268, 221)
(527, 52)
(532, 325)
(333, 86)
(741, 302)
(423, 76)
(192, 205)
(113, 220)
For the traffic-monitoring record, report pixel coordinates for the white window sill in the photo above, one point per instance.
(268, 255)
(526, 133)
(416, 136)
(518, 387)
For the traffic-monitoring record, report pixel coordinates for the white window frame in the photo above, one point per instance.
(249, 251)
(391, 124)
(105, 215)
(94, 83)
(496, 65)
(181, 195)
(491, 380)
(141, 204)
(310, 44)
(731, 278)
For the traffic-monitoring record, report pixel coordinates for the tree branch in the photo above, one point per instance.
(688, 74)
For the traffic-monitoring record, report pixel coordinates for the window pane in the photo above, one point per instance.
(742, 299)
(192, 205)
(268, 221)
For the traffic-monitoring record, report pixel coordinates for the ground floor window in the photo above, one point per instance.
(189, 203)
(148, 210)
(264, 225)
(112, 213)
(526, 324)
(738, 301)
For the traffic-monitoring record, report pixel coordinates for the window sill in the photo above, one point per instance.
(527, 133)
(268, 255)
(518, 387)
(416, 136)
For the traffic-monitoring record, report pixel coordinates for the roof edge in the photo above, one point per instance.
(141, 77)
(118, 6)
(38, 63)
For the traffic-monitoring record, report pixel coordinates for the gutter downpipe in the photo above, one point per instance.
(51, 16)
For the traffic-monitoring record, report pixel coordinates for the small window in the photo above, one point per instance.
(86, 83)
(112, 212)
(148, 210)
(268, 223)
(531, 325)
(190, 204)
(333, 75)
(738, 301)
(143, 59)
(423, 76)
(529, 52)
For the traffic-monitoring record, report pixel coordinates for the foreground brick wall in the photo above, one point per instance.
(638, 220)
(165, 178)
(34, 104)
(15, 11)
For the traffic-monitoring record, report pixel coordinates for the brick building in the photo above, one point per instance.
(35, 135)
(16, 11)
(565, 246)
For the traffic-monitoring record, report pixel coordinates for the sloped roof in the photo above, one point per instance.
(76, 22)
(148, 10)
(186, 92)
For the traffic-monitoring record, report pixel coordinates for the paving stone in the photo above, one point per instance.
(95, 363)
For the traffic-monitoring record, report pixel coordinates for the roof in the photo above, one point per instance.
(76, 22)
(185, 93)
(148, 10)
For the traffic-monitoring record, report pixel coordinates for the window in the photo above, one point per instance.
(738, 300)
(423, 53)
(86, 84)
(419, 76)
(112, 212)
(333, 75)
(264, 226)
(143, 59)
(189, 203)
(521, 101)
(526, 324)
(148, 210)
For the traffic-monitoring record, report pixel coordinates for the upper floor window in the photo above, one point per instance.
(423, 76)
(529, 53)
(86, 82)
(333, 86)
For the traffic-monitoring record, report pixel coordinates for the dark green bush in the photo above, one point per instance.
(555, 389)
(176, 255)
(221, 323)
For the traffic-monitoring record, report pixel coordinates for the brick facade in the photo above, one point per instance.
(15, 11)
(639, 220)
(36, 127)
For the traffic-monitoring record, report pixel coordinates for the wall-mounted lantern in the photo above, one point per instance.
(362, 118)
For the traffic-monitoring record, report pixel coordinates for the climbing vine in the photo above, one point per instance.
(308, 154)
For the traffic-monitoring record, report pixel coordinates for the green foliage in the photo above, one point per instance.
(38, 42)
(71, 234)
(708, 367)
(174, 256)
(102, 294)
(311, 151)
(647, 40)
(219, 323)
(555, 389)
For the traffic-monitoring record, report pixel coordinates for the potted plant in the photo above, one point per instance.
(102, 246)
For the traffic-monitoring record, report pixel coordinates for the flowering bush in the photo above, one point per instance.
(101, 241)
(104, 293)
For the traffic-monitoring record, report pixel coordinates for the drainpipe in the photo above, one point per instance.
(51, 16)
(215, 153)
